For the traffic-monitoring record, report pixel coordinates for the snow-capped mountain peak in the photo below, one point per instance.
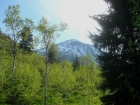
(70, 48)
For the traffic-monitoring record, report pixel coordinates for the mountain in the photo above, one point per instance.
(70, 48)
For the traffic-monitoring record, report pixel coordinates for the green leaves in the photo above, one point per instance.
(13, 20)
(79, 86)
(53, 54)
(26, 42)
(30, 24)
(120, 59)
(76, 63)
(24, 82)
(63, 26)
(42, 25)
(49, 32)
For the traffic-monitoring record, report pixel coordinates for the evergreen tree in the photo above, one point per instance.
(119, 41)
(53, 54)
(76, 63)
(26, 40)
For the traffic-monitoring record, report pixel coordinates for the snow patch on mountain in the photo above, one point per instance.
(70, 48)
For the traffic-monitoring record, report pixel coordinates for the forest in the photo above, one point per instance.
(68, 83)
(27, 78)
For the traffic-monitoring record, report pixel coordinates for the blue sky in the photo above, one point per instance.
(73, 12)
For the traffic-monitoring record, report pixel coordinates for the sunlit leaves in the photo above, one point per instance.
(64, 86)
(13, 20)
(29, 23)
(48, 32)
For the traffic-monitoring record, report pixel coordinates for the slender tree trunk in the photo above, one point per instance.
(46, 77)
(87, 79)
(13, 72)
(13, 66)
(64, 92)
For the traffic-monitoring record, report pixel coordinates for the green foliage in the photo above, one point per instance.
(53, 53)
(47, 34)
(64, 85)
(120, 59)
(13, 20)
(26, 40)
(27, 83)
(4, 41)
(15, 24)
(76, 63)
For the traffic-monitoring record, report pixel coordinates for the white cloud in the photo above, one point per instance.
(75, 13)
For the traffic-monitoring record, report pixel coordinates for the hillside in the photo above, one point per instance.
(70, 48)
(65, 86)
(4, 40)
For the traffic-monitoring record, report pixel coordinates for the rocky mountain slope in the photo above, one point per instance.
(70, 48)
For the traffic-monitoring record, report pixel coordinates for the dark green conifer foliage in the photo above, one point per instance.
(53, 54)
(76, 63)
(119, 40)
(26, 40)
